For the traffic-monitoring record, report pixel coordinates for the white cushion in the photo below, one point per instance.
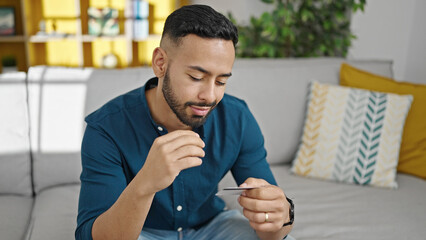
(352, 135)
(15, 165)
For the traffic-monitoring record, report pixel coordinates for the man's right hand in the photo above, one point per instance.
(170, 154)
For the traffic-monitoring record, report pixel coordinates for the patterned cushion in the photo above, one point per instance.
(412, 156)
(352, 135)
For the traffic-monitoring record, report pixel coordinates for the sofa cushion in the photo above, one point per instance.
(328, 210)
(275, 90)
(56, 103)
(15, 165)
(352, 135)
(52, 169)
(60, 98)
(15, 212)
(105, 85)
(412, 158)
(55, 213)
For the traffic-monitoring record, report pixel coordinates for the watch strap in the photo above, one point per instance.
(290, 212)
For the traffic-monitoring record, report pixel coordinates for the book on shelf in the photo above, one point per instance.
(141, 28)
(140, 9)
(140, 13)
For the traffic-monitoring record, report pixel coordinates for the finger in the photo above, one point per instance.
(266, 227)
(188, 162)
(270, 192)
(188, 151)
(260, 217)
(172, 135)
(257, 205)
(187, 140)
(254, 182)
(183, 140)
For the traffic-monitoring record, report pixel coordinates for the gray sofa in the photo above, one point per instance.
(41, 126)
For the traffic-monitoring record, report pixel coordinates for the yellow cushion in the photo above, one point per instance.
(412, 158)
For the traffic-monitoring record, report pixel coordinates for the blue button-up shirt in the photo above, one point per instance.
(116, 143)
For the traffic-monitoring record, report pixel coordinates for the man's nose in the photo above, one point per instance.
(207, 93)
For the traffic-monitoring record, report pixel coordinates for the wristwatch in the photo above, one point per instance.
(290, 212)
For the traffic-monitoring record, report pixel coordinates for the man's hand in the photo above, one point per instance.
(170, 154)
(266, 199)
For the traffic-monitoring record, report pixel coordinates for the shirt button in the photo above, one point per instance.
(179, 229)
(179, 208)
(160, 129)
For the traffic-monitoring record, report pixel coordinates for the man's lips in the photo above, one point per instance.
(200, 111)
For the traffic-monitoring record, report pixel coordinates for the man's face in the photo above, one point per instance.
(195, 78)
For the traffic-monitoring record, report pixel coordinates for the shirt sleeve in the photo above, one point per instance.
(102, 178)
(251, 161)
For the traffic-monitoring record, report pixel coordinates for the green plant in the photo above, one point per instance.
(299, 28)
(8, 61)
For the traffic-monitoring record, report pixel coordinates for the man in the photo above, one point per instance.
(152, 158)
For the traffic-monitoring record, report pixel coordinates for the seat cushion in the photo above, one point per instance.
(15, 212)
(326, 210)
(55, 213)
(329, 210)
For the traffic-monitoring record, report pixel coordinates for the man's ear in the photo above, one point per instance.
(159, 62)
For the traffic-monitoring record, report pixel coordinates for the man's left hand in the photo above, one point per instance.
(266, 206)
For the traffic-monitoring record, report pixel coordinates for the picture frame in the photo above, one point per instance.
(7, 21)
(103, 22)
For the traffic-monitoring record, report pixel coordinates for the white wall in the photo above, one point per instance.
(393, 29)
(388, 29)
(415, 65)
(241, 9)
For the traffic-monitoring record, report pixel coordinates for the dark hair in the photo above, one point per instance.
(200, 20)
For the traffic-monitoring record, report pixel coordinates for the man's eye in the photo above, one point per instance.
(194, 78)
(220, 83)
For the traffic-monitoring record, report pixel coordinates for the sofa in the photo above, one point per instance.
(42, 124)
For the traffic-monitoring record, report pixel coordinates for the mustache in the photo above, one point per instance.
(201, 104)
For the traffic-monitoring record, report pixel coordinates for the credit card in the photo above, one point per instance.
(233, 190)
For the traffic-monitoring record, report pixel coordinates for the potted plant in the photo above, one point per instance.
(299, 28)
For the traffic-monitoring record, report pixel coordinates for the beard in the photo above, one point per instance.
(194, 121)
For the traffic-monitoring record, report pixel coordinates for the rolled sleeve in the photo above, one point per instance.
(102, 178)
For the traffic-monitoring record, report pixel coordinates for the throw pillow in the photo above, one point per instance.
(412, 158)
(351, 135)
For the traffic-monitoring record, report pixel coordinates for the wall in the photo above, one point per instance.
(415, 65)
(241, 9)
(393, 29)
(388, 29)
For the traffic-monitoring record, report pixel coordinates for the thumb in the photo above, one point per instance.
(254, 182)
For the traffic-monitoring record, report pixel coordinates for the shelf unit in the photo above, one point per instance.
(15, 45)
(68, 43)
(12, 39)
